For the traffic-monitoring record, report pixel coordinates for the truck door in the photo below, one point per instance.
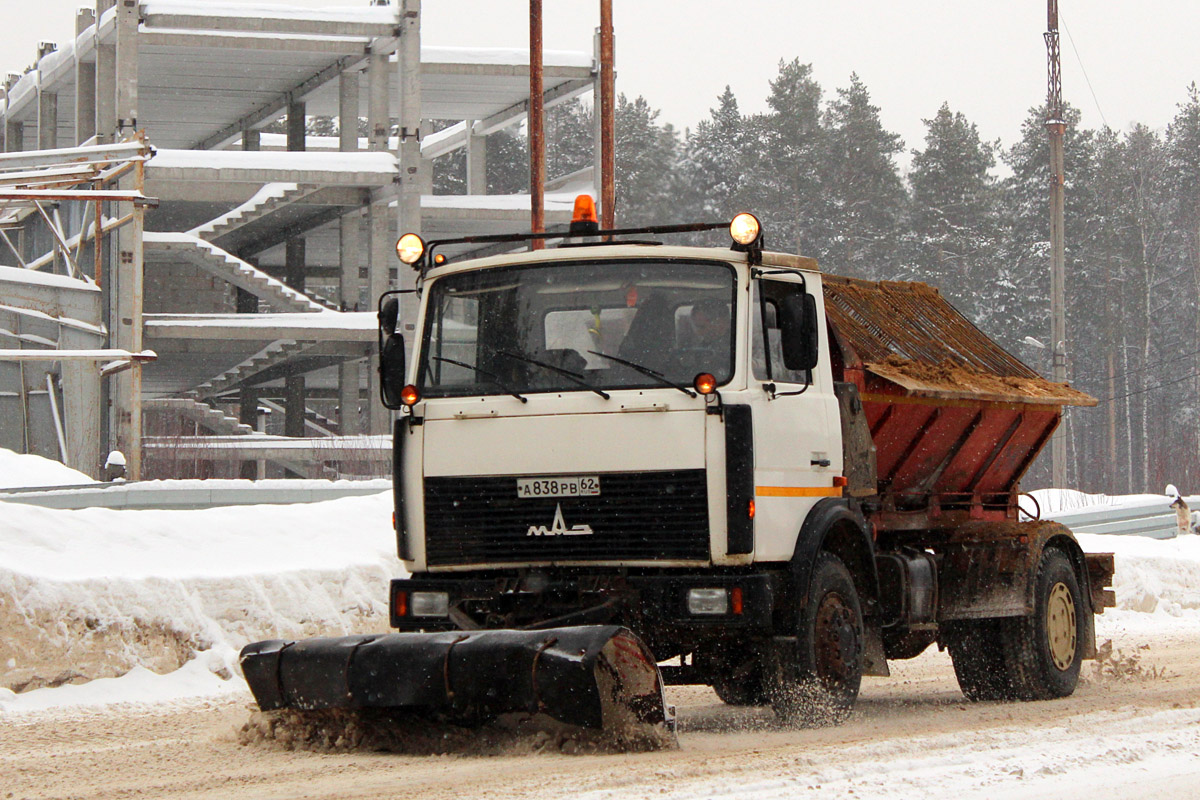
(797, 438)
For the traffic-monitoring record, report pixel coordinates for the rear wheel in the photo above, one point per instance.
(815, 680)
(1045, 651)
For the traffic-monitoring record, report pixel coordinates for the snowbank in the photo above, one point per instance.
(1153, 576)
(166, 599)
(96, 593)
(18, 471)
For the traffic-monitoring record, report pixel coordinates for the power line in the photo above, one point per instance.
(1082, 68)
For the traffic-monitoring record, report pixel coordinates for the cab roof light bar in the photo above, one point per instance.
(745, 231)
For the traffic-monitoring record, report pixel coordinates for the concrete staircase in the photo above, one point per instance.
(269, 356)
(314, 421)
(211, 419)
(215, 261)
(269, 199)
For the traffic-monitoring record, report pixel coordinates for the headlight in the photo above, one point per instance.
(708, 601)
(430, 604)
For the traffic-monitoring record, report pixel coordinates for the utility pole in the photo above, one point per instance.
(607, 111)
(537, 138)
(1056, 127)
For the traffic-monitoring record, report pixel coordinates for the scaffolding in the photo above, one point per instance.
(247, 260)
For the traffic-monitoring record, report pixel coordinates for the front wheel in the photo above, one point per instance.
(1045, 651)
(814, 680)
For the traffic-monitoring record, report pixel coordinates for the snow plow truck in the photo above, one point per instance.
(619, 464)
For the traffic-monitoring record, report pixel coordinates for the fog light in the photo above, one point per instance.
(430, 604)
(708, 601)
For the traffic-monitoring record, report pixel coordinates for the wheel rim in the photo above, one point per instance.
(1060, 626)
(836, 641)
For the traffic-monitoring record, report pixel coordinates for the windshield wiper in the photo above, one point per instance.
(480, 371)
(573, 377)
(658, 376)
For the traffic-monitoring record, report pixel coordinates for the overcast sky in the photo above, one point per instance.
(985, 57)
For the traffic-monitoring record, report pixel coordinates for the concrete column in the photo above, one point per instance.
(378, 107)
(251, 139)
(47, 120)
(295, 126)
(381, 257)
(127, 69)
(85, 83)
(412, 176)
(476, 162)
(349, 258)
(248, 415)
(14, 136)
(348, 100)
(293, 422)
(125, 327)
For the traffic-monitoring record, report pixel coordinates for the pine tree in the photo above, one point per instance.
(647, 181)
(953, 243)
(863, 192)
(714, 162)
(784, 151)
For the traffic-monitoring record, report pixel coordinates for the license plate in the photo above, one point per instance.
(576, 486)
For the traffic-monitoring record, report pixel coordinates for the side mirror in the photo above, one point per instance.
(391, 353)
(391, 371)
(798, 331)
(389, 315)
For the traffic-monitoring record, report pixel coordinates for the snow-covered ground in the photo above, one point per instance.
(91, 599)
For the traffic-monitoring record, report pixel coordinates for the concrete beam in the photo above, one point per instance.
(517, 111)
(267, 25)
(269, 111)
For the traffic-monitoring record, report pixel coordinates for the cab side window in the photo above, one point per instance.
(768, 325)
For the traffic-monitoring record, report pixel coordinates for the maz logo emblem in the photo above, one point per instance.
(559, 527)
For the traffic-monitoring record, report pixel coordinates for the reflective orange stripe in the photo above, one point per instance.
(798, 491)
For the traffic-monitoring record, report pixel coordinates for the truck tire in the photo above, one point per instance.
(1045, 651)
(979, 662)
(814, 680)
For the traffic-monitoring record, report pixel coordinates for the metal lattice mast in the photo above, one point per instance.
(1056, 127)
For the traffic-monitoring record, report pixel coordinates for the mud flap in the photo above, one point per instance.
(595, 676)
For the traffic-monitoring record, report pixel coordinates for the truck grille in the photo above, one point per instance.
(644, 516)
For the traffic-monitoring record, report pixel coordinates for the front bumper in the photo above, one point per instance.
(654, 605)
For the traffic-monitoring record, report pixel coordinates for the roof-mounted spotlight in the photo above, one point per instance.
(410, 248)
(746, 232)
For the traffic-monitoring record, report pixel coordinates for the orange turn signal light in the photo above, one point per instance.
(840, 480)
(750, 509)
(409, 395)
(735, 600)
(401, 604)
(705, 383)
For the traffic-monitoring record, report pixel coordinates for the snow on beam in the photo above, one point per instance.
(77, 355)
(318, 44)
(368, 22)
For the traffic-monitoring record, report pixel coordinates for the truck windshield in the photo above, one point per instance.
(548, 327)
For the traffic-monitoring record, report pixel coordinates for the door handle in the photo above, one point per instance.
(820, 462)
